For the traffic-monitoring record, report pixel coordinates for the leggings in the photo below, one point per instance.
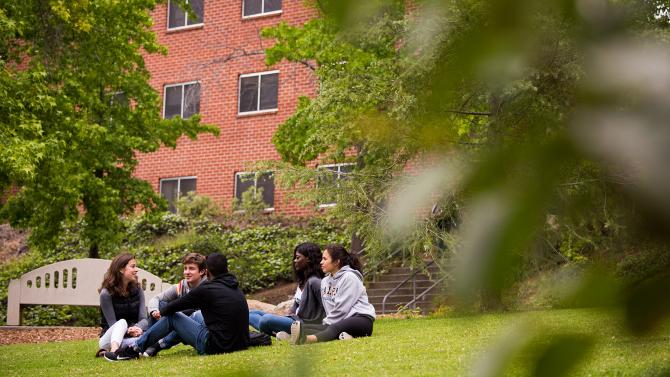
(357, 326)
(115, 334)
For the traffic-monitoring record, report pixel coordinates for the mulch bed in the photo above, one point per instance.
(29, 334)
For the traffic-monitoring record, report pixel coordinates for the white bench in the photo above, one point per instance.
(70, 282)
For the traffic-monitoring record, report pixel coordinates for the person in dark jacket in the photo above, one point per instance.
(222, 327)
(123, 314)
(307, 305)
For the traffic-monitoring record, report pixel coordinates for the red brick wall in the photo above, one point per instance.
(215, 54)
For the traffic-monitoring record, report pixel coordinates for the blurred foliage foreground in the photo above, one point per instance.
(537, 131)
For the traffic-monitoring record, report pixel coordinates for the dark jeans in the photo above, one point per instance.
(191, 330)
(356, 326)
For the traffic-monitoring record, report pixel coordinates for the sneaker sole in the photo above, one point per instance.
(295, 333)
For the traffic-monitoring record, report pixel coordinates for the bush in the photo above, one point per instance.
(259, 255)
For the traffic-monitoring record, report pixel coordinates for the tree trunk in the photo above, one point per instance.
(93, 251)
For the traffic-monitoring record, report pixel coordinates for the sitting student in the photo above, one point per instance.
(348, 312)
(123, 314)
(222, 326)
(307, 307)
(194, 274)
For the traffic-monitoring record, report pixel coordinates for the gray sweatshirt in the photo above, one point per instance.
(171, 294)
(344, 295)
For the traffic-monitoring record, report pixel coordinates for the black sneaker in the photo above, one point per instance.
(125, 353)
(152, 351)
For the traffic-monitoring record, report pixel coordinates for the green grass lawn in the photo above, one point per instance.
(411, 347)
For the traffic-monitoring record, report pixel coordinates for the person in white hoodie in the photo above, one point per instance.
(345, 300)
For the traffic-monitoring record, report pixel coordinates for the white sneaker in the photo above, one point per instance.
(283, 336)
(345, 336)
(296, 329)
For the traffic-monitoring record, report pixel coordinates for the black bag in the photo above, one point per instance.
(259, 339)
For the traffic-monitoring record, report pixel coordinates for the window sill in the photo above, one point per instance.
(261, 15)
(265, 211)
(253, 113)
(184, 28)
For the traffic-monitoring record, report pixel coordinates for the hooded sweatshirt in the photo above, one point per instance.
(175, 291)
(344, 295)
(224, 309)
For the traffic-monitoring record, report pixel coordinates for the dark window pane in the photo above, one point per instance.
(169, 192)
(242, 183)
(191, 100)
(198, 7)
(272, 5)
(269, 89)
(120, 99)
(176, 16)
(248, 94)
(266, 181)
(173, 101)
(252, 7)
(186, 186)
(345, 170)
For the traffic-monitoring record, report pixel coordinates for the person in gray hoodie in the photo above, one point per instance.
(345, 300)
(307, 307)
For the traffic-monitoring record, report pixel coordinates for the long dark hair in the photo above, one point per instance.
(113, 280)
(312, 252)
(344, 258)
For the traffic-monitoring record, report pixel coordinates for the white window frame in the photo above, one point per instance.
(262, 13)
(187, 26)
(178, 179)
(254, 173)
(239, 93)
(338, 165)
(181, 113)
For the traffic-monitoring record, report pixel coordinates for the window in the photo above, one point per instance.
(256, 181)
(258, 92)
(179, 19)
(336, 172)
(255, 8)
(173, 188)
(181, 100)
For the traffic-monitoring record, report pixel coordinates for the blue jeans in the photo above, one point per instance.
(172, 339)
(191, 330)
(269, 323)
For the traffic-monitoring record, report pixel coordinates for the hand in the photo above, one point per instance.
(134, 331)
(156, 314)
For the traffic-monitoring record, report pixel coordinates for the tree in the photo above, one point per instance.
(544, 122)
(75, 108)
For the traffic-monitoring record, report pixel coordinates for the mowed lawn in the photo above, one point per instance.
(447, 346)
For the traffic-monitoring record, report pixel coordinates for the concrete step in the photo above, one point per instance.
(399, 292)
(388, 285)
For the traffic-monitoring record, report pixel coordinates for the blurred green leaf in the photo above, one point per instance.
(562, 355)
(647, 305)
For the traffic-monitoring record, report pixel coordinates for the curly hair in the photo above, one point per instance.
(312, 252)
(113, 279)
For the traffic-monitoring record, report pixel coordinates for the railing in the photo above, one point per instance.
(413, 277)
(420, 296)
(372, 269)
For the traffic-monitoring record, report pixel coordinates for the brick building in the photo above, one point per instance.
(215, 66)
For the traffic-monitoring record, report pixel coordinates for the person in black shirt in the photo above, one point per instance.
(222, 326)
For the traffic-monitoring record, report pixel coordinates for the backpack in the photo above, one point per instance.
(259, 339)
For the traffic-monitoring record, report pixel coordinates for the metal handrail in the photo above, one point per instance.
(416, 298)
(380, 262)
(401, 284)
